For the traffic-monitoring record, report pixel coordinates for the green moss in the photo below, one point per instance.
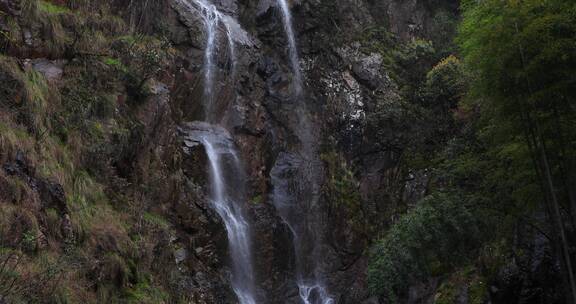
(130, 39)
(257, 199)
(51, 8)
(29, 240)
(143, 293)
(156, 220)
(112, 61)
(342, 181)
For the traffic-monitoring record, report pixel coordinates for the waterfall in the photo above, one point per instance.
(295, 178)
(227, 197)
(226, 173)
(293, 49)
(292, 179)
(212, 19)
(224, 196)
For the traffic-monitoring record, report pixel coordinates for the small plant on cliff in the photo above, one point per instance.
(144, 57)
(342, 190)
(51, 8)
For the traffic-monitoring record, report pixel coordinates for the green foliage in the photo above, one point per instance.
(10, 34)
(465, 279)
(436, 236)
(114, 62)
(446, 83)
(416, 50)
(146, 294)
(393, 124)
(258, 199)
(521, 55)
(444, 26)
(156, 220)
(29, 240)
(342, 182)
(51, 8)
(87, 99)
(342, 190)
(413, 60)
(145, 57)
(35, 113)
(379, 40)
(74, 132)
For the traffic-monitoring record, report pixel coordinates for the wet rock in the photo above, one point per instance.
(229, 7)
(264, 7)
(180, 255)
(193, 22)
(194, 132)
(51, 69)
(28, 38)
(368, 70)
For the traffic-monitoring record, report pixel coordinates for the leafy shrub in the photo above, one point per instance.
(429, 240)
(392, 125)
(445, 83)
(144, 57)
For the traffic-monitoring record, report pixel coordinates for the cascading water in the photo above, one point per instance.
(227, 196)
(212, 19)
(226, 174)
(293, 49)
(295, 179)
(228, 209)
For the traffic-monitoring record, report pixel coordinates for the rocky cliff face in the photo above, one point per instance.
(140, 163)
(343, 83)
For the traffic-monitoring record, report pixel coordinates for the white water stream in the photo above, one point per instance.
(293, 49)
(226, 196)
(226, 173)
(300, 169)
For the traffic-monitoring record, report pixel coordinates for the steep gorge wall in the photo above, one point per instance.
(345, 82)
